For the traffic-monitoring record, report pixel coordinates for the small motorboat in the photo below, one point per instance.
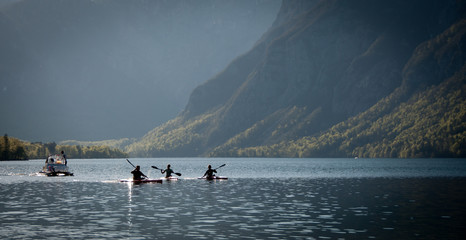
(56, 165)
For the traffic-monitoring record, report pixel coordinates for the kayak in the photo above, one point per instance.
(169, 179)
(130, 180)
(214, 178)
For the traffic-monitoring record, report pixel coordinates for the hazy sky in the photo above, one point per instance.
(101, 69)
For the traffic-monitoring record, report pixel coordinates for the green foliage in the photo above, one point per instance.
(174, 138)
(80, 152)
(113, 143)
(15, 149)
(11, 149)
(432, 123)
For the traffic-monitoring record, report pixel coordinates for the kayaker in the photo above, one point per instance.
(137, 174)
(209, 174)
(168, 172)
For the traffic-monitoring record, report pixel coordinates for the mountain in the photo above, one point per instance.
(333, 79)
(110, 69)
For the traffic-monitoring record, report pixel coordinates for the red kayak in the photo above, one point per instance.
(214, 178)
(169, 179)
(130, 180)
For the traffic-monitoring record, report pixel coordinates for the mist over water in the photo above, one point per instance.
(305, 198)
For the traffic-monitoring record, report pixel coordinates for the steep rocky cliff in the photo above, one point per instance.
(321, 63)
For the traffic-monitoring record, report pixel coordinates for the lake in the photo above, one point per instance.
(262, 199)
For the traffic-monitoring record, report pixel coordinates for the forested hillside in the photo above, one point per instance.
(430, 124)
(14, 149)
(425, 117)
(333, 79)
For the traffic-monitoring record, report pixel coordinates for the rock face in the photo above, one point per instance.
(321, 63)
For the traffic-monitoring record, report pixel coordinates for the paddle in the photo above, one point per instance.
(179, 174)
(130, 163)
(223, 165)
(135, 167)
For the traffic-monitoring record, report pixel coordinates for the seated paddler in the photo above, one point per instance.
(137, 174)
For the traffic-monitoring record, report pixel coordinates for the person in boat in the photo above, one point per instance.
(64, 157)
(137, 174)
(209, 174)
(168, 172)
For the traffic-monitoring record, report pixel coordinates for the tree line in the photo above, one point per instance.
(14, 149)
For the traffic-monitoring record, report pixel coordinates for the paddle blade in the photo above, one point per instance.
(155, 167)
(130, 163)
(179, 174)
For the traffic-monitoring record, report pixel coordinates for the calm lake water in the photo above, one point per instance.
(263, 199)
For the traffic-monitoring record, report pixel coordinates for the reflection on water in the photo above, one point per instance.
(246, 208)
(130, 202)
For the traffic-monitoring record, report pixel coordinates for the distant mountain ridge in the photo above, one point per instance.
(334, 79)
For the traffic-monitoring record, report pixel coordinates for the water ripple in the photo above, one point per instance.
(245, 208)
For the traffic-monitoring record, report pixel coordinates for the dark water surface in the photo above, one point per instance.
(282, 199)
